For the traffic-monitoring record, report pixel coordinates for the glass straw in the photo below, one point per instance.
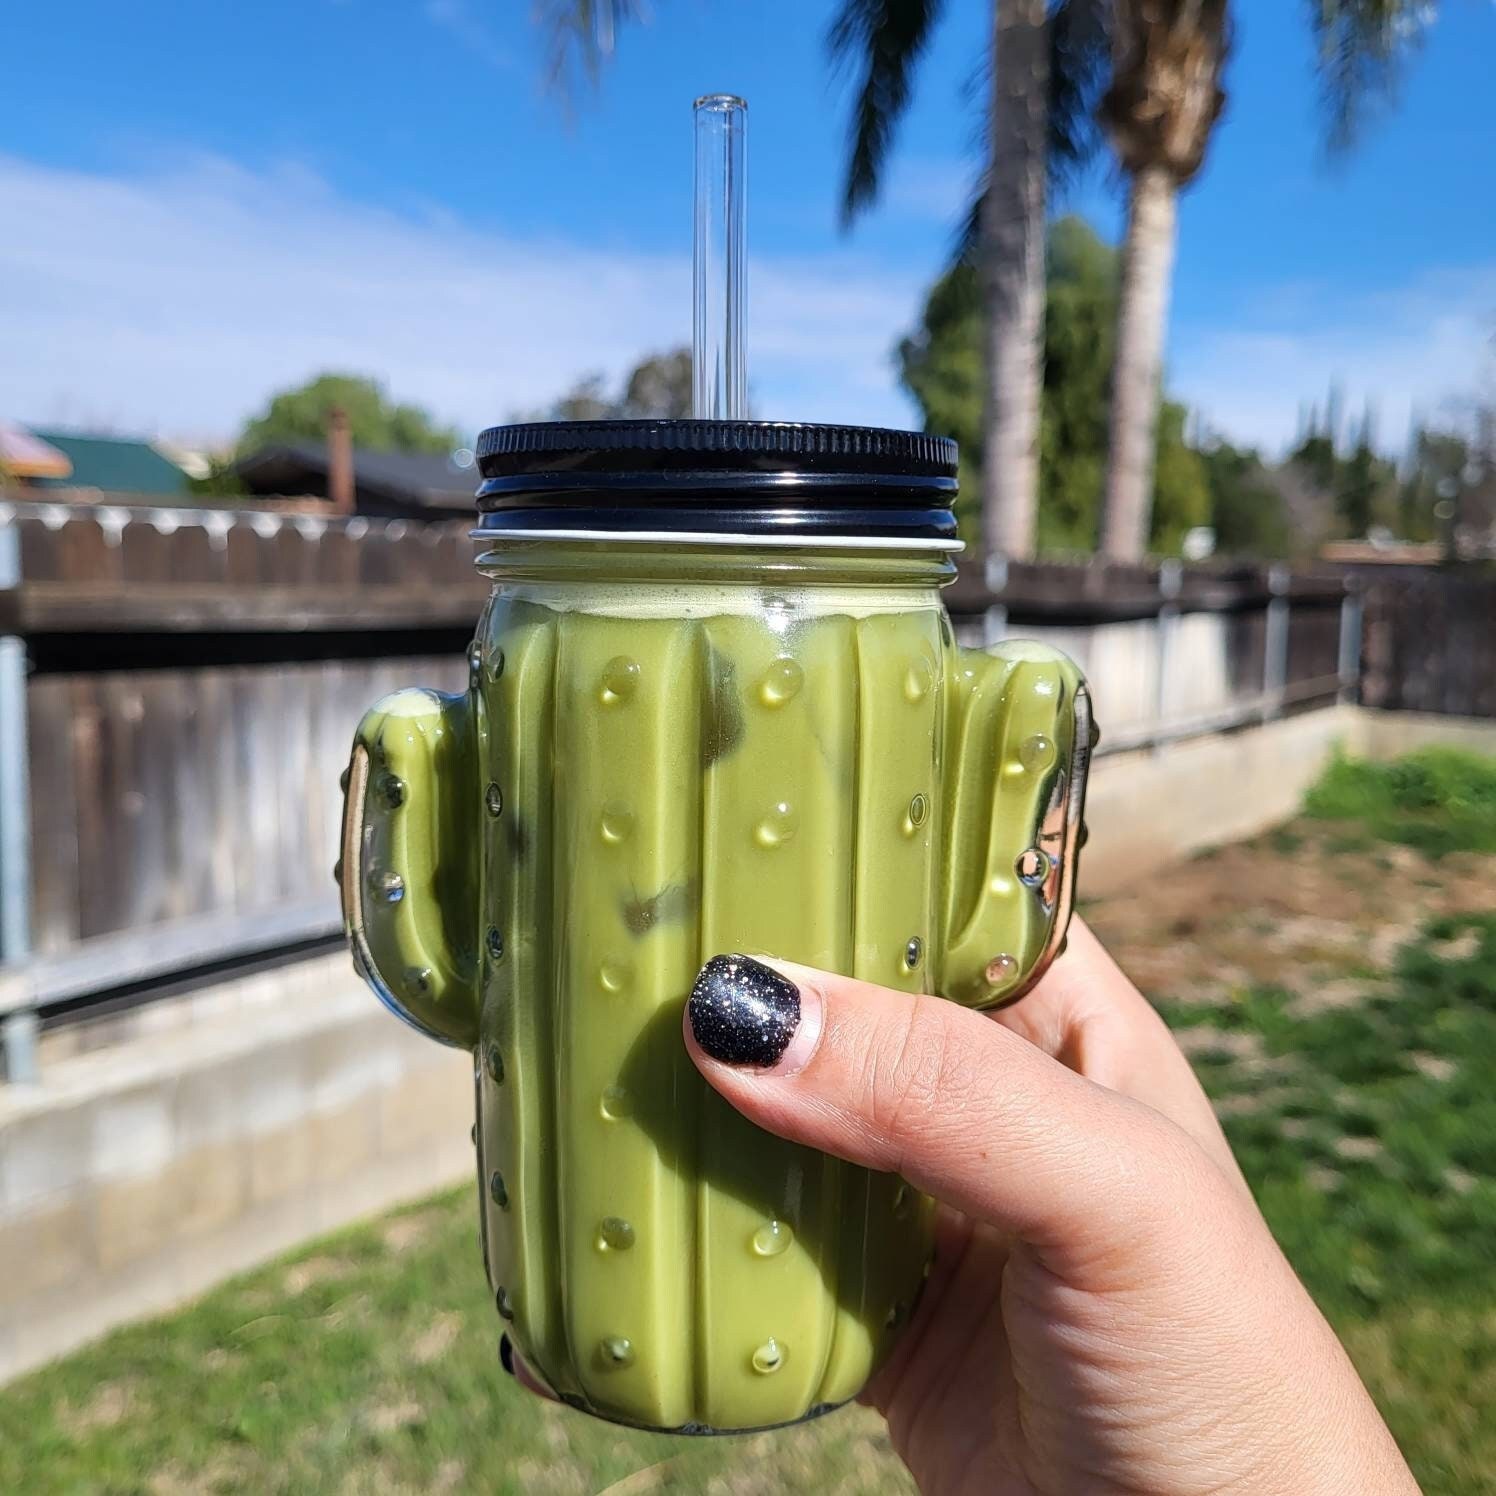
(719, 379)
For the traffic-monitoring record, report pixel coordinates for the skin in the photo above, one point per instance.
(1108, 1311)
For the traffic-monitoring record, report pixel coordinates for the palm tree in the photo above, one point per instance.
(1164, 100)
(1040, 65)
(1165, 97)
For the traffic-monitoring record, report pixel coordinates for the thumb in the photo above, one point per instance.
(963, 1108)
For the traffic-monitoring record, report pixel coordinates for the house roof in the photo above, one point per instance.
(421, 480)
(23, 455)
(114, 464)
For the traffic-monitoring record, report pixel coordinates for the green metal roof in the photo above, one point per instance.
(113, 464)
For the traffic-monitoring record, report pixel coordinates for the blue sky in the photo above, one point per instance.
(205, 202)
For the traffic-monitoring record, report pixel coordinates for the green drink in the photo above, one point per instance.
(741, 724)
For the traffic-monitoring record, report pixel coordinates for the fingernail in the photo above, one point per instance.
(743, 1012)
(506, 1354)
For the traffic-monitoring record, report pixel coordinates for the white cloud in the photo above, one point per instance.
(175, 300)
(1420, 346)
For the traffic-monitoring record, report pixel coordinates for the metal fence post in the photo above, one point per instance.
(1350, 645)
(995, 618)
(18, 1029)
(1275, 643)
(1170, 580)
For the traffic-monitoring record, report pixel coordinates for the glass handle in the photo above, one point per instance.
(411, 777)
(1018, 755)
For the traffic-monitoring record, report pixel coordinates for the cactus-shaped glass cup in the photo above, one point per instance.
(715, 705)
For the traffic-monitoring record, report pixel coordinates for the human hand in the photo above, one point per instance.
(1108, 1310)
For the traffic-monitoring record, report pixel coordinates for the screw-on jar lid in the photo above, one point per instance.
(767, 482)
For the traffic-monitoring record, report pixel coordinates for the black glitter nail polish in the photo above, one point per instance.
(506, 1354)
(742, 1012)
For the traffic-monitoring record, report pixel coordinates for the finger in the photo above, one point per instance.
(967, 1269)
(1088, 1014)
(517, 1367)
(963, 1108)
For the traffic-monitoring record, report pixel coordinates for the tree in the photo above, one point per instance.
(586, 400)
(1362, 477)
(300, 415)
(1247, 511)
(1340, 492)
(941, 366)
(658, 387)
(1438, 461)
(1163, 103)
(883, 41)
(1164, 100)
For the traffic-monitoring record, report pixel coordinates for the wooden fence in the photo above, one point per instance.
(195, 676)
(161, 794)
(192, 679)
(1431, 639)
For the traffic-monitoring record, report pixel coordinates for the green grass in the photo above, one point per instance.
(1438, 800)
(1372, 1148)
(366, 1363)
(1372, 1152)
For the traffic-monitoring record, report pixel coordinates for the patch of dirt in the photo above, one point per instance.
(531, 1475)
(449, 1476)
(554, 1429)
(1461, 1181)
(1358, 1147)
(1321, 921)
(436, 1339)
(1252, 1103)
(1434, 1066)
(1460, 948)
(221, 1473)
(301, 1276)
(404, 1232)
(387, 1417)
(109, 1404)
(1336, 992)
(1240, 1044)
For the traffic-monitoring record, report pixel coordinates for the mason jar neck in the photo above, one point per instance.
(675, 562)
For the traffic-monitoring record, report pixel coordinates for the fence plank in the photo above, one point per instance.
(54, 827)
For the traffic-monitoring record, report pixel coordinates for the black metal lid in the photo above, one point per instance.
(779, 479)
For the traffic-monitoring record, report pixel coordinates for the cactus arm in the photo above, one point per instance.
(1019, 742)
(409, 867)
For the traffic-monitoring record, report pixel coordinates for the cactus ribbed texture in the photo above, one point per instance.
(845, 789)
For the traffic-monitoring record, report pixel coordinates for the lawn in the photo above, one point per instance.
(1335, 984)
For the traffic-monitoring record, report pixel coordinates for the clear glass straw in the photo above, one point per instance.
(719, 379)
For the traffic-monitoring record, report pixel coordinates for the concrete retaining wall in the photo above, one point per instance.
(1147, 810)
(171, 1147)
(267, 1111)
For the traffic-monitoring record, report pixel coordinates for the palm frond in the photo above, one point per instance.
(1166, 93)
(1362, 46)
(1079, 50)
(881, 41)
(581, 35)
